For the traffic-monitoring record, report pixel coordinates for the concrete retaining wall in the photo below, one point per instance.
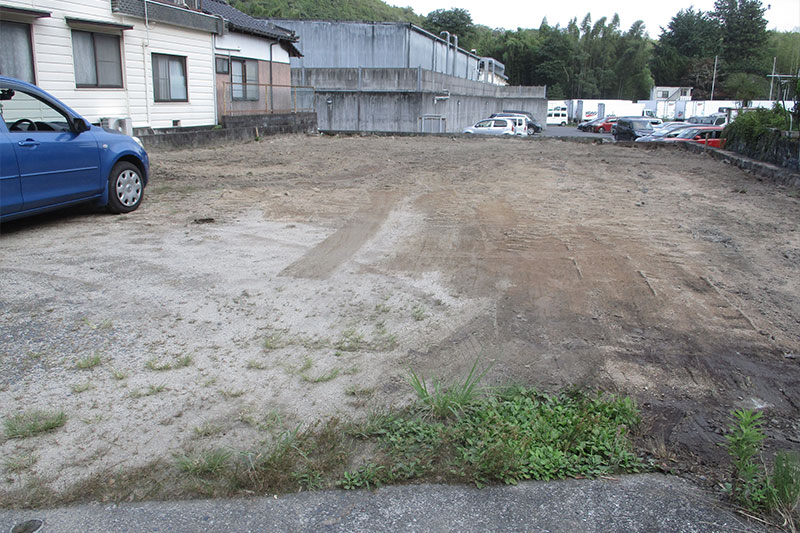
(234, 129)
(398, 100)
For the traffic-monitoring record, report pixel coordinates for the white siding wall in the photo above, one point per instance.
(248, 46)
(52, 45)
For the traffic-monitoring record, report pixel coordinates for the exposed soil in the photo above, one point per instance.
(304, 277)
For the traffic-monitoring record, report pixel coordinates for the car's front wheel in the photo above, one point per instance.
(125, 188)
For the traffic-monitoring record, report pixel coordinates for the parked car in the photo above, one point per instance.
(588, 125)
(495, 126)
(533, 125)
(630, 129)
(605, 126)
(716, 119)
(711, 135)
(51, 157)
(669, 130)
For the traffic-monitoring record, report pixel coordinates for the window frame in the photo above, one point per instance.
(218, 60)
(157, 97)
(246, 85)
(30, 48)
(97, 85)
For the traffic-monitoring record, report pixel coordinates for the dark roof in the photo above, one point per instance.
(244, 23)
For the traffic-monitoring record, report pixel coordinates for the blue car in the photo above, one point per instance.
(51, 157)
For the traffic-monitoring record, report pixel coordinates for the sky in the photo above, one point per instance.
(783, 15)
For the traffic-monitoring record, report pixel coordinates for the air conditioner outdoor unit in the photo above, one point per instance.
(121, 124)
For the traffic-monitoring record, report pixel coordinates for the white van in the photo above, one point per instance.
(557, 116)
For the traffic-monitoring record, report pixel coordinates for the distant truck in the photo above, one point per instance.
(581, 110)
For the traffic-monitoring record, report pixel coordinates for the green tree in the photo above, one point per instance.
(457, 21)
(744, 34)
(683, 48)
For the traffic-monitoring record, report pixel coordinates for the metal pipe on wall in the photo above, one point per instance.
(447, 52)
(455, 54)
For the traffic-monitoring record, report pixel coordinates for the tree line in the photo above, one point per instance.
(728, 48)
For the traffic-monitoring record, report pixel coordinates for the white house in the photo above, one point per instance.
(671, 93)
(252, 63)
(151, 61)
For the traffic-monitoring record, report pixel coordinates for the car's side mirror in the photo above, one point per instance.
(80, 125)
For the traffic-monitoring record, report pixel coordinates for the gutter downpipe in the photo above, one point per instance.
(145, 46)
(447, 53)
(271, 94)
(455, 54)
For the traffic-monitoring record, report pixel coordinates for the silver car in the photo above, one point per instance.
(495, 126)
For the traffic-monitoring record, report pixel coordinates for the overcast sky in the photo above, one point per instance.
(783, 15)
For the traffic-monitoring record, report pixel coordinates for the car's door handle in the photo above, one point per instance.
(29, 142)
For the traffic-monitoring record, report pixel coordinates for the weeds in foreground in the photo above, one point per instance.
(30, 423)
(443, 401)
(752, 484)
(207, 462)
(498, 437)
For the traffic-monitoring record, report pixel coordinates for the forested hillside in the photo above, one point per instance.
(598, 58)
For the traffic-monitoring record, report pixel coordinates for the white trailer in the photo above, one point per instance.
(580, 110)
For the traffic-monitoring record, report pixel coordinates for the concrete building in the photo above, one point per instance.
(396, 77)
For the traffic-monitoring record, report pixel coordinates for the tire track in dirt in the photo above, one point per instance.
(320, 261)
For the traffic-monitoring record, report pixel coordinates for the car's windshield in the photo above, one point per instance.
(691, 132)
(641, 125)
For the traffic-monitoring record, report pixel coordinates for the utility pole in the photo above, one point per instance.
(714, 79)
(772, 78)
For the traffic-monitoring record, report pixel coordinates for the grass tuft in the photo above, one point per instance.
(88, 363)
(350, 342)
(30, 423)
(204, 463)
(443, 402)
(15, 464)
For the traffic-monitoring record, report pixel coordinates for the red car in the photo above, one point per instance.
(605, 127)
(710, 135)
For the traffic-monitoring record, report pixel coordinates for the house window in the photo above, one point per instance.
(222, 65)
(169, 78)
(664, 94)
(97, 59)
(244, 78)
(684, 92)
(16, 54)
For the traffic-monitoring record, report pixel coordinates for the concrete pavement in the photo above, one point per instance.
(638, 503)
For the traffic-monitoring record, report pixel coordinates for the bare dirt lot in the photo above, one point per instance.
(279, 282)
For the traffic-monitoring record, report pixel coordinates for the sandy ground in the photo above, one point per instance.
(278, 282)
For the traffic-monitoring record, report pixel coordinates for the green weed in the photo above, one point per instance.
(149, 391)
(442, 401)
(89, 362)
(322, 378)
(30, 423)
(274, 341)
(204, 463)
(155, 364)
(81, 387)
(15, 464)
(748, 484)
(350, 342)
(418, 313)
(207, 429)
